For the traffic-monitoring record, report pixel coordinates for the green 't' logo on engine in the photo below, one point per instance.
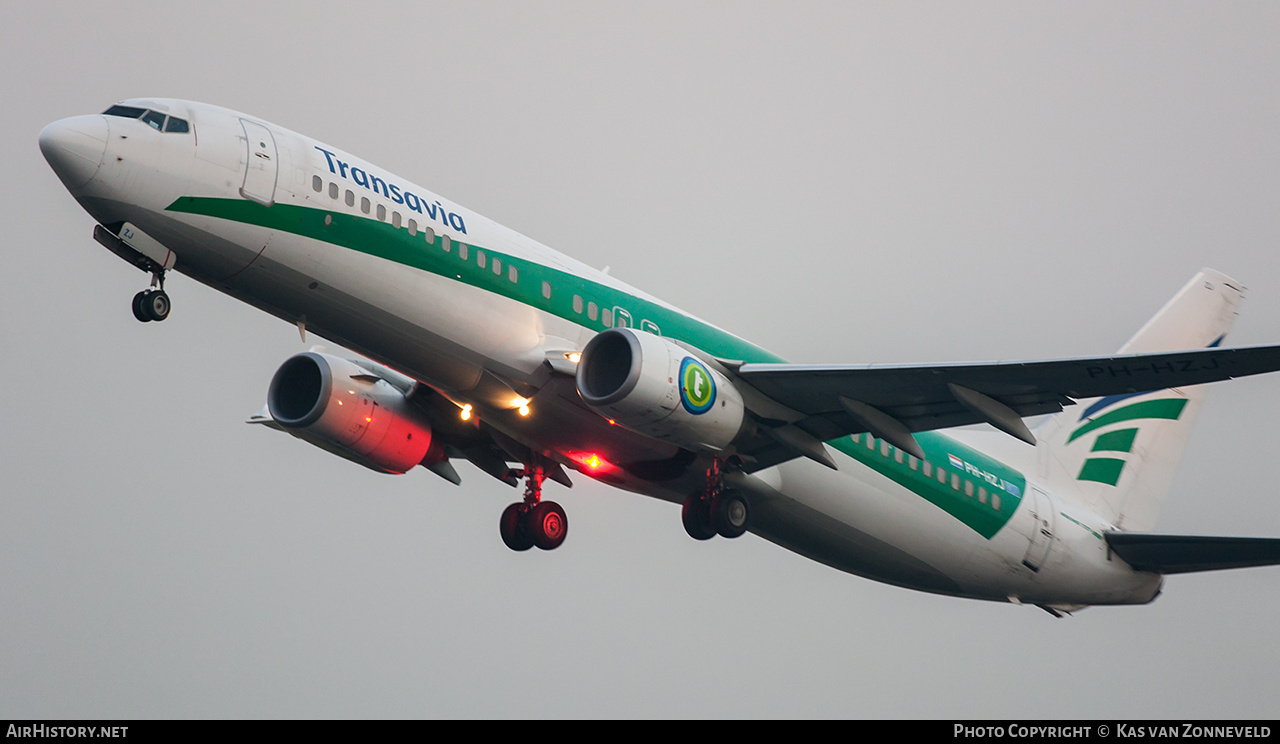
(697, 389)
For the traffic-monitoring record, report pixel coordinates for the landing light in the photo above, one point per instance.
(573, 356)
(466, 412)
(521, 405)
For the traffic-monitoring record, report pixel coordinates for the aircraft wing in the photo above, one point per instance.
(891, 401)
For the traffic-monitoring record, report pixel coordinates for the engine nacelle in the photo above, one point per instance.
(650, 385)
(342, 407)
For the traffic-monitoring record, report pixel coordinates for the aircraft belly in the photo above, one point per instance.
(858, 521)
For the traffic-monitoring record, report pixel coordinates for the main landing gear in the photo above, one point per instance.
(153, 303)
(715, 510)
(533, 522)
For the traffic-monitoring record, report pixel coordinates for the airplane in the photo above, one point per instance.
(477, 343)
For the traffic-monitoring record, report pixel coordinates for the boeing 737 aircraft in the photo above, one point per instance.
(479, 344)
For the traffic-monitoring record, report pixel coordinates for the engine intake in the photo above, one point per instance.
(342, 407)
(651, 386)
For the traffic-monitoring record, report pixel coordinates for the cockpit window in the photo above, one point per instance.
(155, 119)
(128, 112)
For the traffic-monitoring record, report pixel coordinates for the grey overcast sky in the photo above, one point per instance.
(839, 182)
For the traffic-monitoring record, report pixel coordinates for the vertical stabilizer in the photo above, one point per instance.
(1117, 454)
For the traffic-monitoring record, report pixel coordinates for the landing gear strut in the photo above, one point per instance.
(153, 303)
(715, 510)
(533, 522)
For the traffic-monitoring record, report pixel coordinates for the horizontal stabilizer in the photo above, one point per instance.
(1171, 554)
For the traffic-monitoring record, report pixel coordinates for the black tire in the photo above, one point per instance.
(730, 514)
(139, 308)
(512, 528)
(696, 516)
(156, 305)
(547, 524)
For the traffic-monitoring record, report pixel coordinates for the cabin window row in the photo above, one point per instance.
(928, 469)
(606, 316)
(348, 197)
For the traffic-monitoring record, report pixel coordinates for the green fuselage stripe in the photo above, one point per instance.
(1001, 485)
(981, 492)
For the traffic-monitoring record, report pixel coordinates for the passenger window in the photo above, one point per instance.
(176, 125)
(871, 442)
(546, 290)
(606, 317)
(884, 449)
(928, 469)
(897, 456)
(431, 235)
(577, 303)
(955, 482)
(462, 251)
(445, 243)
(593, 312)
(512, 275)
(382, 213)
(333, 190)
(480, 259)
(395, 219)
(364, 204)
(982, 495)
(968, 489)
(912, 462)
(497, 266)
(413, 227)
(317, 183)
(349, 198)
(995, 501)
(155, 119)
(942, 475)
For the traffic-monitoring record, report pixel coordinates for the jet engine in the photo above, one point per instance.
(350, 411)
(651, 386)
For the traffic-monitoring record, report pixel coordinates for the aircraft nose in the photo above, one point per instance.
(75, 148)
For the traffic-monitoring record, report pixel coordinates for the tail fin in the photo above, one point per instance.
(1117, 454)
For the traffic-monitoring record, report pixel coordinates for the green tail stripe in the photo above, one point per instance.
(1165, 408)
(1120, 440)
(1102, 470)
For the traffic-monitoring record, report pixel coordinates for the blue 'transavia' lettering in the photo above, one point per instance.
(359, 177)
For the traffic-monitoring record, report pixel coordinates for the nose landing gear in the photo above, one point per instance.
(533, 522)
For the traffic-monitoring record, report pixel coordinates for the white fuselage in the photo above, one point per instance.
(258, 202)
